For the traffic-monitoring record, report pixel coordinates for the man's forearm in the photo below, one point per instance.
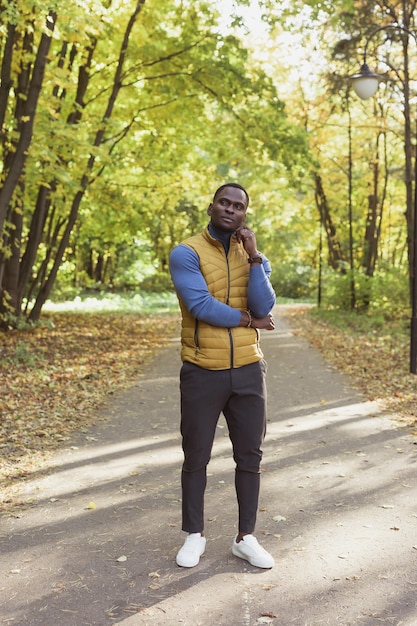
(261, 296)
(266, 323)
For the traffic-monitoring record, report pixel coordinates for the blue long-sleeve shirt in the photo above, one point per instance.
(191, 287)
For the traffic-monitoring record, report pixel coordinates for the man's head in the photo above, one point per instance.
(237, 186)
(228, 209)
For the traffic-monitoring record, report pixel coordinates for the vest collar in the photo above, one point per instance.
(224, 238)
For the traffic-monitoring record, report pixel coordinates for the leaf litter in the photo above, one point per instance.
(376, 363)
(55, 376)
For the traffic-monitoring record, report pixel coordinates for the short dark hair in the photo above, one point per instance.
(236, 185)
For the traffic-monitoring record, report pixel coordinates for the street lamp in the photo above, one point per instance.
(365, 85)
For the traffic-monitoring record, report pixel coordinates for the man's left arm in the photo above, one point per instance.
(261, 295)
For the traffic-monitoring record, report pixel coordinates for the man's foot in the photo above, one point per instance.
(249, 549)
(193, 548)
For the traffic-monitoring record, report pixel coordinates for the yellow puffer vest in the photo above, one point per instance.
(213, 347)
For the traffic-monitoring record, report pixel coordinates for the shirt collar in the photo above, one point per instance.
(224, 238)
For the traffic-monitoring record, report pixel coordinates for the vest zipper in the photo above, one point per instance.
(197, 347)
(229, 330)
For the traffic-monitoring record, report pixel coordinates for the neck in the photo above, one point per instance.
(221, 235)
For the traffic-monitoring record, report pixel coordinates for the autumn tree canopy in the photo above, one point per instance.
(119, 119)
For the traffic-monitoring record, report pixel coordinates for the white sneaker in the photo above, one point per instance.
(193, 548)
(250, 550)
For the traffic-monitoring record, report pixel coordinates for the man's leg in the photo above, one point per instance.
(246, 418)
(203, 394)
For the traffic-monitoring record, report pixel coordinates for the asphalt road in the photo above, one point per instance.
(338, 511)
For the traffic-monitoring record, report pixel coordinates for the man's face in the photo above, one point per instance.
(228, 210)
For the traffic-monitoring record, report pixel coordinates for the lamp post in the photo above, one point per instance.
(365, 85)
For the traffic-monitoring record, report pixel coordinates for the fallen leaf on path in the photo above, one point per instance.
(376, 362)
(64, 372)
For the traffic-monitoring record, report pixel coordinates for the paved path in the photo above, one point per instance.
(338, 511)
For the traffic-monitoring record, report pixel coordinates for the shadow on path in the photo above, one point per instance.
(338, 511)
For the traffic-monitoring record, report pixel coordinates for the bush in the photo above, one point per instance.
(294, 281)
(157, 283)
(386, 293)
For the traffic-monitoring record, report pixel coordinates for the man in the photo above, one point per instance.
(222, 283)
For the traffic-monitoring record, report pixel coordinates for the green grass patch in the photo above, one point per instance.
(135, 302)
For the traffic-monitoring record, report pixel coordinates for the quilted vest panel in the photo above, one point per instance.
(213, 347)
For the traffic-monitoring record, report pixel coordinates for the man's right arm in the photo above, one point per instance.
(191, 287)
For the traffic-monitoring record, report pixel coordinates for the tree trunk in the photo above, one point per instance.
(46, 288)
(10, 301)
(5, 76)
(335, 252)
(27, 121)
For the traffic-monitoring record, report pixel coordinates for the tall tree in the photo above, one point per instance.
(130, 98)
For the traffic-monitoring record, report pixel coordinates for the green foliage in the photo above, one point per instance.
(23, 355)
(294, 281)
(131, 137)
(122, 165)
(9, 320)
(387, 292)
(160, 282)
(20, 322)
(385, 295)
(124, 302)
(361, 323)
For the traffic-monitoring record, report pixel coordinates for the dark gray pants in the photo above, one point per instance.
(241, 394)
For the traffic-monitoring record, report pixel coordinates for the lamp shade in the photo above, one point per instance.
(365, 84)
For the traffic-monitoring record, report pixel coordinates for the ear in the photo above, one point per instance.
(209, 209)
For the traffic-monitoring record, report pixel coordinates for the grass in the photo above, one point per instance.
(139, 302)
